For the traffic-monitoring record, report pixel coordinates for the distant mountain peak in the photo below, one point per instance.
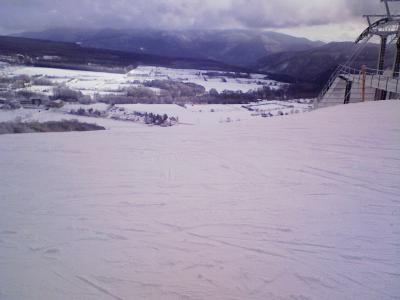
(235, 47)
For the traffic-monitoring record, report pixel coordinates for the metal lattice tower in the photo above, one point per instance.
(387, 28)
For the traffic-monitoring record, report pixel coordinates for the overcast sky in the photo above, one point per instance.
(315, 19)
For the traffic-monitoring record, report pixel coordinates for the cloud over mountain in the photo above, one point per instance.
(23, 15)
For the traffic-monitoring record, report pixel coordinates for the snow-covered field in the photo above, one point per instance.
(91, 83)
(188, 115)
(305, 206)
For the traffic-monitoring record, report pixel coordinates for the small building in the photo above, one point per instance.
(32, 102)
(36, 101)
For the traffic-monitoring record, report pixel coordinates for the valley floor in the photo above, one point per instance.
(305, 206)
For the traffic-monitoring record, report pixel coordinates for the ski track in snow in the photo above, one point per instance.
(298, 207)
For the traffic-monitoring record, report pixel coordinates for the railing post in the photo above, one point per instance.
(363, 77)
(396, 64)
(382, 52)
(381, 64)
(347, 93)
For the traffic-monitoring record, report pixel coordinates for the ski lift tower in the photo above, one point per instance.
(351, 84)
(384, 26)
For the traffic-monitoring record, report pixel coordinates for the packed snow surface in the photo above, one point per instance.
(188, 114)
(305, 206)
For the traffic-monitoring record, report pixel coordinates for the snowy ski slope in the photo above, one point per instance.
(305, 206)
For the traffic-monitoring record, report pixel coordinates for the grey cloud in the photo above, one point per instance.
(23, 15)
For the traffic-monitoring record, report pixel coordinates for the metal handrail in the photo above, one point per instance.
(337, 71)
(354, 74)
(346, 70)
(328, 85)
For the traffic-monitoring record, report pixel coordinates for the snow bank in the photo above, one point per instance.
(298, 207)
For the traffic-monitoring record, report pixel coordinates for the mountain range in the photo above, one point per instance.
(234, 47)
(315, 65)
(282, 57)
(71, 55)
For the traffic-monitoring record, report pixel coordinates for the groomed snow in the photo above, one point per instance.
(305, 206)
